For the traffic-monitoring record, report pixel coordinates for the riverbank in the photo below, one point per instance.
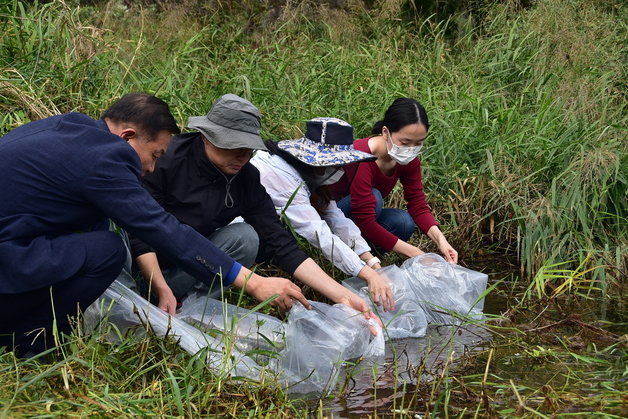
(526, 162)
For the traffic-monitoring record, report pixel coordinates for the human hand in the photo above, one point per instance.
(380, 291)
(264, 288)
(167, 300)
(360, 305)
(450, 254)
(444, 247)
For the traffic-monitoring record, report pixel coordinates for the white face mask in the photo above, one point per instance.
(400, 154)
(331, 175)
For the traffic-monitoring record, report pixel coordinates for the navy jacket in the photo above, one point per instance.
(189, 187)
(66, 174)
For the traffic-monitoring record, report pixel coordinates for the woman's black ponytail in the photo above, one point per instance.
(377, 128)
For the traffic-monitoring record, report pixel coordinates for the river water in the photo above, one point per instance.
(381, 387)
(411, 366)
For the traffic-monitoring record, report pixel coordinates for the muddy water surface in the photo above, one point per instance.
(384, 387)
(526, 352)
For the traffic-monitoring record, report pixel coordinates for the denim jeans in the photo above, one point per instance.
(397, 221)
(238, 240)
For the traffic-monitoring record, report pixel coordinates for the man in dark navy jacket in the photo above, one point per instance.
(61, 179)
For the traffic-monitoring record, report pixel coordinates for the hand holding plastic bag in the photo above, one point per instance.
(379, 289)
(358, 304)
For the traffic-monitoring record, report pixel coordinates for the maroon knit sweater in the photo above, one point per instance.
(358, 181)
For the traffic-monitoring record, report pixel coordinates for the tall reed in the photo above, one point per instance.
(527, 152)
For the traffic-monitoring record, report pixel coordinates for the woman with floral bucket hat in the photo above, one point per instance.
(397, 143)
(296, 174)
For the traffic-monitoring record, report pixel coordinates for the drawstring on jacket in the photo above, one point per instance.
(229, 202)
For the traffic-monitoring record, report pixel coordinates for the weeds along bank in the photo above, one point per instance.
(527, 152)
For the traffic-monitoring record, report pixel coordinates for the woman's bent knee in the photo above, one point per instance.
(399, 222)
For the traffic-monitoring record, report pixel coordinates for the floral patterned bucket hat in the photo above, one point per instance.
(327, 142)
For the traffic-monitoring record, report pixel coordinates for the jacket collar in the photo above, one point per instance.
(207, 169)
(202, 162)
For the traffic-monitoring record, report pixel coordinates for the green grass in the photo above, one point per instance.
(526, 156)
(131, 378)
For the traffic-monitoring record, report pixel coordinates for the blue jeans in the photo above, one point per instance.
(395, 220)
(238, 240)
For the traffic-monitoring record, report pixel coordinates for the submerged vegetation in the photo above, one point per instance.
(526, 160)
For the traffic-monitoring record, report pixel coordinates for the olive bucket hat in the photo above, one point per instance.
(327, 142)
(232, 122)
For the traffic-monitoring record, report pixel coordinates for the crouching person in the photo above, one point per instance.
(297, 174)
(206, 180)
(61, 179)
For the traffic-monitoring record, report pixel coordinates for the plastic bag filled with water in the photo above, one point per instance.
(408, 319)
(443, 288)
(472, 285)
(250, 330)
(320, 339)
(133, 316)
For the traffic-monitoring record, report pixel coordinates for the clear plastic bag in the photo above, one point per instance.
(133, 315)
(408, 319)
(474, 284)
(316, 342)
(250, 330)
(442, 287)
(319, 340)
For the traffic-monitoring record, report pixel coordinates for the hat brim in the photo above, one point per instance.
(223, 137)
(323, 155)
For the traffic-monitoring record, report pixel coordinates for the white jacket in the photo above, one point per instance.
(334, 234)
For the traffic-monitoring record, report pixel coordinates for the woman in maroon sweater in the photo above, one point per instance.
(397, 144)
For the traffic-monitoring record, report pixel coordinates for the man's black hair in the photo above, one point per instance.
(148, 112)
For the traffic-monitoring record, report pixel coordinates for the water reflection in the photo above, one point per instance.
(371, 387)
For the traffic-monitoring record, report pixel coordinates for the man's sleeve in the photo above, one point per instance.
(114, 187)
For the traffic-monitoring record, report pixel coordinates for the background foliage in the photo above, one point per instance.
(527, 155)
